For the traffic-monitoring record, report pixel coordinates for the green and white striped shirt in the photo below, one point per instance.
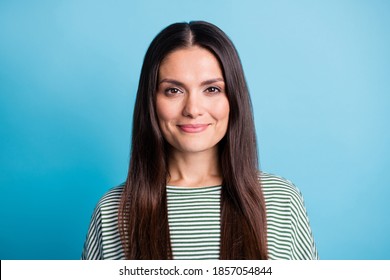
(194, 223)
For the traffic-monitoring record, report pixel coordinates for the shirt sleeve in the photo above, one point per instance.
(302, 242)
(288, 229)
(92, 249)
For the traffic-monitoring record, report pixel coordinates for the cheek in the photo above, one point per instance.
(221, 110)
(167, 114)
(163, 111)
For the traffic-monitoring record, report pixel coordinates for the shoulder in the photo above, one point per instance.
(282, 198)
(277, 187)
(107, 207)
(111, 198)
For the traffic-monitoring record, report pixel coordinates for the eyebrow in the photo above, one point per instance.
(180, 84)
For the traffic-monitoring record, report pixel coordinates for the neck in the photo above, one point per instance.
(198, 169)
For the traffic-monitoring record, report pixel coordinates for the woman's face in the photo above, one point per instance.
(192, 106)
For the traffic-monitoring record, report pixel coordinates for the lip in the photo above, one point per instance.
(193, 128)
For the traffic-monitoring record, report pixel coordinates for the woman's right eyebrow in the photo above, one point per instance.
(171, 81)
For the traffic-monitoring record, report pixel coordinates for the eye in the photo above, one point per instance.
(171, 91)
(213, 90)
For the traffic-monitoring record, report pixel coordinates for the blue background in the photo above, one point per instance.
(318, 73)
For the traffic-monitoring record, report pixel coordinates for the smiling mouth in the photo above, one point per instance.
(193, 128)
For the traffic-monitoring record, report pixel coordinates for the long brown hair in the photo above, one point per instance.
(143, 217)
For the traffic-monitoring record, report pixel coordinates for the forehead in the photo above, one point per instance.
(194, 61)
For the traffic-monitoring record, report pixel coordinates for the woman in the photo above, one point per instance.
(194, 190)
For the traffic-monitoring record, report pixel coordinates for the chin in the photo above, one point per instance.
(194, 148)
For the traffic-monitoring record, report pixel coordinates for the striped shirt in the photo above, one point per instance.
(194, 223)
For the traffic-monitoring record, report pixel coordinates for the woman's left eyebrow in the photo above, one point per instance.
(212, 81)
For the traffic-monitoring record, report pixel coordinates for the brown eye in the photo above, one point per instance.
(171, 91)
(213, 90)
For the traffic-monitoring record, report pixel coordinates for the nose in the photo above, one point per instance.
(192, 106)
